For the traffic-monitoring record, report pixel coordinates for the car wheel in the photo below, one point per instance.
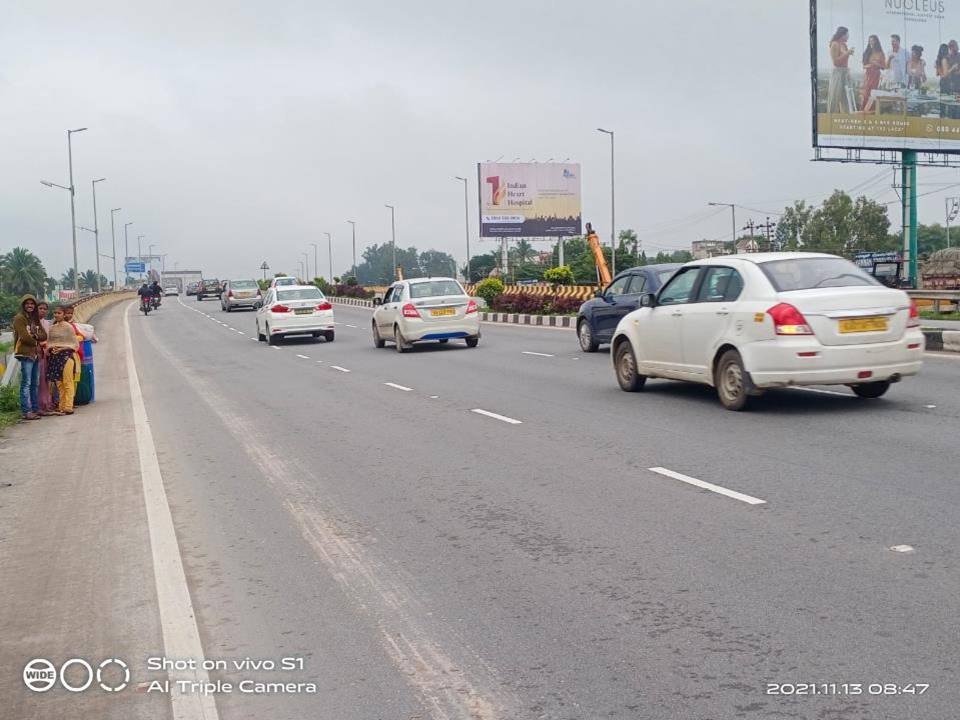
(228, 308)
(472, 341)
(398, 340)
(732, 381)
(378, 342)
(585, 335)
(272, 339)
(328, 336)
(626, 366)
(260, 336)
(871, 390)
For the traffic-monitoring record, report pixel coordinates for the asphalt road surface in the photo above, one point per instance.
(481, 534)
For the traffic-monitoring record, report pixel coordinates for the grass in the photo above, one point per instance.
(931, 315)
(9, 405)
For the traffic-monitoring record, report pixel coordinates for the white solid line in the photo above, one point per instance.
(181, 638)
(302, 356)
(538, 354)
(823, 392)
(943, 355)
(398, 387)
(241, 332)
(709, 486)
(349, 325)
(275, 347)
(341, 369)
(495, 416)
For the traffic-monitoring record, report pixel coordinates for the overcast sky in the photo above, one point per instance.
(236, 132)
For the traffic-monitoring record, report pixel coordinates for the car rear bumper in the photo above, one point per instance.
(322, 322)
(779, 363)
(240, 302)
(415, 330)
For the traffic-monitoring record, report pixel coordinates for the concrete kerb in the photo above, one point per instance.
(556, 321)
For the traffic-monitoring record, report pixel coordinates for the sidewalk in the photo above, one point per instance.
(76, 575)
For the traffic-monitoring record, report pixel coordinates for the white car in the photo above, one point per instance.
(294, 310)
(423, 309)
(171, 290)
(283, 280)
(743, 323)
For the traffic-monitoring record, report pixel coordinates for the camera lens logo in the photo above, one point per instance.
(39, 675)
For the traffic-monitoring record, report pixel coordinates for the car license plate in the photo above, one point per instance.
(244, 294)
(439, 312)
(867, 324)
(303, 311)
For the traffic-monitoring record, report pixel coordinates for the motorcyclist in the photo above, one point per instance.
(145, 292)
(156, 292)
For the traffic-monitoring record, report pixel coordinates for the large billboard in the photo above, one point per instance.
(886, 74)
(529, 199)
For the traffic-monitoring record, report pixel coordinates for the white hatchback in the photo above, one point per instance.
(425, 309)
(744, 323)
(294, 310)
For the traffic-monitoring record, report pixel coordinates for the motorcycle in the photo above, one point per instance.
(145, 305)
(155, 302)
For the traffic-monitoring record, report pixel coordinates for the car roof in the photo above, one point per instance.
(427, 279)
(300, 287)
(242, 280)
(759, 258)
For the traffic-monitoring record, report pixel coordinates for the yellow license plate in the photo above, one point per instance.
(867, 324)
(303, 311)
(441, 312)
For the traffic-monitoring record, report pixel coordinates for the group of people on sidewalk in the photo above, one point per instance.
(50, 352)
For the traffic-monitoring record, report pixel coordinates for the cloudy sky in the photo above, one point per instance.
(236, 132)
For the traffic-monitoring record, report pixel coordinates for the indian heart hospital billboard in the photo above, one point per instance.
(886, 74)
(529, 199)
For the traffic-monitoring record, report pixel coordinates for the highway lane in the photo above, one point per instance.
(543, 559)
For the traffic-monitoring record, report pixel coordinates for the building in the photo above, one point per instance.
(702, 249)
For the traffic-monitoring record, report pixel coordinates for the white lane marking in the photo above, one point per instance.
(930, 407)
(240, 332)
(823, 392)
(319, 361)
(495, 416)
(943, 355)
(302, 356)
(349, 325)
(341, 369)
(398, 387)
(275, 347)
(902, 548)
(434, 397)
(750, 500)
(181, 638)
(538, 354)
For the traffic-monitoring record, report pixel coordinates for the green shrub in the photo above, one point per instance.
(351, 281)
(489, 289)
(562, 275)
(10, 398)
(325, 287)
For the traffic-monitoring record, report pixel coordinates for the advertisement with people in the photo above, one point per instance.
(886, 74)
(529, 199)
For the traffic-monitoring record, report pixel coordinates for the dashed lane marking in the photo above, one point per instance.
(302, 356)
(496, 416)
(398, 387)
(538, 354)
(749, 499)
(341, 369)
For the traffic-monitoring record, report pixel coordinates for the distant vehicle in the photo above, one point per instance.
(425, 309)
(192, 288)
(171, 290)
(294, 310)
(283, 280)
(239, 293)
(884, 266)
(598, 317)
(745, 323)
(530, 281)
(209, 288)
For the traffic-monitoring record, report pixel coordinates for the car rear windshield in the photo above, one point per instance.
(300, 294)
(243, 284)
(435, 288)
(816, 272)
(211, 282)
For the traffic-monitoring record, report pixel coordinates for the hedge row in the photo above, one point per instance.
(527, 304)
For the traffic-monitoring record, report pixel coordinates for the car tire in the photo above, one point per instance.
(398, 340)
(585, 336)
(260, 336)
(628, 378)
(871, 390)
(272, 339)
(228, 308)
(378, 341)
(732, 381)
(472, 342)
(329, 335)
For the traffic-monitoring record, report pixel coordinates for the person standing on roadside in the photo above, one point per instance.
(28, 334)
(43, 392)
(62, 359)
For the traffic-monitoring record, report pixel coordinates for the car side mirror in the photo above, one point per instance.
(378, 301)
(648, 300)
(598, 293)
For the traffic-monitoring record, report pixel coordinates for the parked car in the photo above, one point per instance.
(294, 310)
(171, 290)
(598, 317)
(239, 293)
(745, 323)
(422, 309)
(192, 288)
(208, 288)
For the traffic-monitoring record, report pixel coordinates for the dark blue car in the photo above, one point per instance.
(598, 318)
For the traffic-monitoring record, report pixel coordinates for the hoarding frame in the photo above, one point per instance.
(575, 232)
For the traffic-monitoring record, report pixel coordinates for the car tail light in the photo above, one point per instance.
(324, 306)
(914, 319)
(787, 320)
(471, 307)
(409, 311)
(229, 293)
(279, 309)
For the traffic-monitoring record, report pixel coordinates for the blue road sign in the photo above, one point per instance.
(137, 267)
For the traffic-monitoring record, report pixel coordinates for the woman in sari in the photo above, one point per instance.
(62, 363)
(837, 95)
(43, 393)
(874, 61)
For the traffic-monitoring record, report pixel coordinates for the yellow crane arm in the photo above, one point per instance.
(598, 257)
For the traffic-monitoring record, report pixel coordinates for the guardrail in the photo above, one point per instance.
(935, 297)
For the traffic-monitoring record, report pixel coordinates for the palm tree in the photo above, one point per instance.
(22, 272)
(88, 280)
(50, 285)
(66, 280)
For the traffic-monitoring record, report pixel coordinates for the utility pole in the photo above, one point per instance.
(466, 220)
(733, 217)
(952, 208)
(126, 252)
(393, 242)
(96, 228)
(613, 206)
(73, 211)
(113, 240)
(353, 228)
(330, 253)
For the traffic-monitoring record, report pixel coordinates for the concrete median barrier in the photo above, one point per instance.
(87, 307)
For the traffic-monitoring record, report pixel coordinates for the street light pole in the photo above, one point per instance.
(952, 205)
(353, 228)
(613, 206)
(466, 220)
(73, 210)
(733, 217)
(96, 228)
(329, 254)
(316, 264)
(150, 254)
(140, 253)
(306, 265)
(393, 236)
(126, 252)
(113, 240)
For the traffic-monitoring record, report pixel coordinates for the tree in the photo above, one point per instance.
(66, 280)
(88, 280)
(435, 263)
(792, 228)
(22, 272)
(841, 225)
(482, 265)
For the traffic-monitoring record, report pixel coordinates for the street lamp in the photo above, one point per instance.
(126, 252)
(393, 236)
(96, 228)
(306, 264)
(300, 266)
(140, 253)
(733, 217)
(330, 254)
(353, 227)
(613, 207)
(73, 210)
(113, 239)
(264, 267)
(150, 254)
(466, 219)
(316, 265)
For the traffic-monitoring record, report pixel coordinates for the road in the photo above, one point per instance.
(477, 533)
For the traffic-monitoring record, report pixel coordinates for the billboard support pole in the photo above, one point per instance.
(560, 243)
(909, 200)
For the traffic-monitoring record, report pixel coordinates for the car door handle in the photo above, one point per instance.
(723, 312)
(677, 313)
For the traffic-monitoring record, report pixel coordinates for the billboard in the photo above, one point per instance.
(886, 74)
(529, 199)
